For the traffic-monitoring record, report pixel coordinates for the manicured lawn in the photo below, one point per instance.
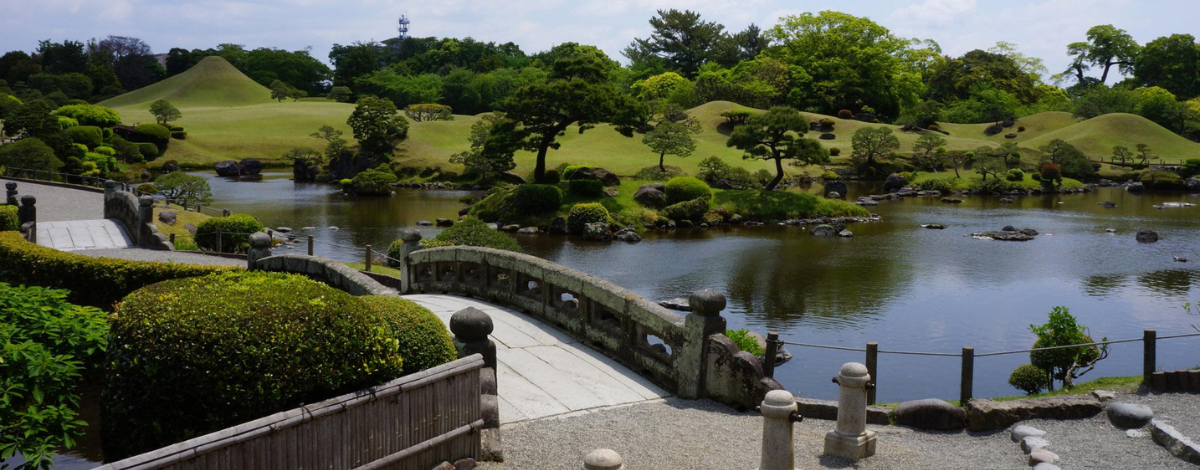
(183, 238)
(375, 268)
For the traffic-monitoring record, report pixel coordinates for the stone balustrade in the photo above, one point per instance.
(136, 214)
(687, 356)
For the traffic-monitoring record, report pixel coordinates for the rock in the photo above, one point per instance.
(722, 184)
(464, 211)
(707, 302)
(1042, 456)
(444, 466)
(606, 177)
(986, 415)
(1134, 433)
(1031, 443)
(465, 464)
(1110, 230)
(612, 192)
(629, 236)
(651, 195)
(1010, 136)
(934, 226)
(603, 459)
(833, 195)
(1108, 204)
(559, 226)
(445, 222)
(510, 228)
(867, 202)
(1147, 236)
(845, 234)
(823, 230)
(424, 223)
(827, 136)
(1008, 228)
(170, 165)
(1135, 187)
(191, 228)
(894, 182)
(1179, 259)
(1005, 200)
(511, 178)
(249, 166)
(1193, 184)
(1004, 236)
(1103, 395)
(597, 231)
(931, 414)
(527, 230)
(1021, 432)
(836, 186)
(1029, 232)
(227, 168)
(167, 217)
(952, 200)
(283, 229)
(1175, 443)
(1129, 415)
(678, 303)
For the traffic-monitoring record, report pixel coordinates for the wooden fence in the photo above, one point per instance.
(414, 422)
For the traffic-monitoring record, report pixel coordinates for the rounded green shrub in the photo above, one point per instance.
(90, 114)
(148, 150)
(377, 182)
(830, 175)
(570, 170)
(1029, 378)
(826, 122)
(105, 150)
(686, 188)
(1190, 168)
(66, 122)
(1015, 174)
(687, 210)
(152, 133)
(1051, 172)
(91, 136)
(475, 232)
(585, 188)
(79, 150)
(846, 114)
(587, 213)
(192, 356)
(531, 199)
(834, 151)
(552, 177)
(235, 232)
(935, 185)
(8, 218)
(423, 339)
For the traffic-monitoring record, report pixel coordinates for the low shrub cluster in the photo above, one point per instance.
(152, 133)
(90, 115)
(424, 340)
(687, 210)
(1162, 180)
(993, 186)
(713, 169)
(473, 232)
(91, 281)
(744, 341)
(1029, 378)
(376, 182)
(583, 214)
(90, 136)
(1190, 168)
(935, 184)
(585, 188)
(8, 218)
(532, 199)
(191, 356)
(148, 150)
(654, 173)
(683, 188)
(1015, 174)
(235, 232)
(783, 205)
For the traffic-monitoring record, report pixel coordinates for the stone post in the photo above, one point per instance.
(471, 328)
(779, 411)
(10, 196)
(850, 439)
(603, 459)
(260, 247)
(27, 210)
(703, 321)
(110, 188)
(145, 220)
(412, 242)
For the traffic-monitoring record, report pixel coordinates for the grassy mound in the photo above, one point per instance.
(782, 205)
(1097, 136)
(1035, 126)
(970, 179)
(213, 82)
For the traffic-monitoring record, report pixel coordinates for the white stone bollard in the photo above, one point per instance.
(603, 459)
(779, 412)
(850, 439)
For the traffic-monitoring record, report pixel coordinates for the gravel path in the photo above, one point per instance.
(1181, 410)
(56, 204)
(141, 254)
(683, 434)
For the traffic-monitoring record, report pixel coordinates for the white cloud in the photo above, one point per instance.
(934, 11)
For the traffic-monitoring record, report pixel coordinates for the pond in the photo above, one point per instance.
(903, 286)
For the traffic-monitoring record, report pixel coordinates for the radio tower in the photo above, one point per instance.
(403, 27)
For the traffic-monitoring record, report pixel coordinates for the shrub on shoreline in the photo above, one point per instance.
(235, 232)
(583, 214)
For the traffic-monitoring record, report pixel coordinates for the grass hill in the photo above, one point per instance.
(1097, 136)
(211, 83)
(1035, 126)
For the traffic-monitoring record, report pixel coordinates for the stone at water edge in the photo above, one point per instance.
(283, 229)
(527, 230)
(1021, 432)
(1108, 204)
(597, 231)
(845, 234)
(934, 226)
(952, 200)
(559, 226)
(227, 168)
(1029, 444)
(444, 222)
(629, 236)
(510, 228)
(678, 303)
(1129, 415)
(1146, 236)
(833, 195)
(1042, 456)
(823, 230)
(424, 223)
(931, 414)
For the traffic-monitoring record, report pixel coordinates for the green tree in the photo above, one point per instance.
(955, 78)
(1160, 106)
(577, 93)
(925, 151)
(1106, 46)
(180, 186)
(871, 144)
(494, 140)
(1171, 62)
(680, 40)
(280, 91)
(29, 153)
(1066, 364)
(334, 143)
(1122, 155)
(988, 163)
(341, 94)
(1073, 162)
(164, 112)
(295, 94)
(777, 135)
(670, 138)
(377, 126)
(1144, 154)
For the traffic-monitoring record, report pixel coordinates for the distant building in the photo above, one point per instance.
(403, 27)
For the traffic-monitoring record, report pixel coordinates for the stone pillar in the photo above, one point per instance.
(603, 459)
(850, 439)
(10, 196)
(412, 242)
(471, 328)
(110, 188)
(703, 321)
(27, 209)
(145, 220)
(779, 411)
(260, 247)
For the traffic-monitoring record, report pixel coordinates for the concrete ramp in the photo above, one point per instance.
(74, 235)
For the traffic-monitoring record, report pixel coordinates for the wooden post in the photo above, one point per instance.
(772, 351)
(218, 243)
(968, 375)
(1149, 349)
(873, 369)
(310, 245)
(368, 263)
(172, 239)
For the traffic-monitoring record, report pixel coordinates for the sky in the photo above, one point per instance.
(1041, 28)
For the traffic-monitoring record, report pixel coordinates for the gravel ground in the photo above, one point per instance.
(57, 204)
(684, 434)
(1181, 410)
(140, 254)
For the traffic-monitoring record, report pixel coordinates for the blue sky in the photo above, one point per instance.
(1040, 28)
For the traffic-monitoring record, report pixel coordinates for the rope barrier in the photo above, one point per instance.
(997, 353)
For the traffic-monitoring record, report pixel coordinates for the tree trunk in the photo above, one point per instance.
(1079, 73)
(778, 175)
(956, 175)
(660, 162)
(539, 170)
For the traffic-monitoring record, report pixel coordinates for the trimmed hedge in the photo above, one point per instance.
(91, 136)
(376, 182)
(685, 188)
(474, 232)
(235, 232)
(531, 199)
(8, 218)
(583, 214)
(148, 150)
(90, 114)
(152, 133)
(98, 282)
(424, 340)
(585, 188)
(687, 210)
(191, 356)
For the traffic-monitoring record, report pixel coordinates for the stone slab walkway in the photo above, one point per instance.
(543, 372)
(57, 204)
(73, 235)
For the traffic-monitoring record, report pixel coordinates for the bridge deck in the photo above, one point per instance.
(543, 372)
(83, 235)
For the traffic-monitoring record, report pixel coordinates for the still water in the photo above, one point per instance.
(895, 283)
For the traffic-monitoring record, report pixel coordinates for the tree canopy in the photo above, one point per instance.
(778, 135)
